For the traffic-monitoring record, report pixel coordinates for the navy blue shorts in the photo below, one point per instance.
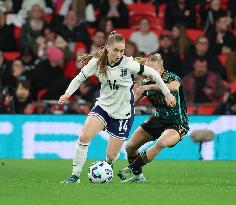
(116, 128)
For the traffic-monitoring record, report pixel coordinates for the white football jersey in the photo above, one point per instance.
(116, 93)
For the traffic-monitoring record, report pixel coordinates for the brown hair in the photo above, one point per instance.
(101, 54)
(181, 43)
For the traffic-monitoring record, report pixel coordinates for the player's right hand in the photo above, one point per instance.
(63, 99)
(170, 100)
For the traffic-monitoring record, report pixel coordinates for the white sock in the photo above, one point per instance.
(80, 156)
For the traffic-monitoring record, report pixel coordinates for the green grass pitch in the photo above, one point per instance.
(35, 182)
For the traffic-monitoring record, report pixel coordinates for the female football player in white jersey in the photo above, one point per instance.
(114, 109)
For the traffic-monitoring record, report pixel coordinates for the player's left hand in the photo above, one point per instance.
(170, 100)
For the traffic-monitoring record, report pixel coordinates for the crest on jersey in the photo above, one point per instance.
(123, 72)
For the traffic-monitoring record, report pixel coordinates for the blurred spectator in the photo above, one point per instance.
(222, 40)
(4, 71)
(201, 49)
(18, 101)
(7, 39)
(19, 18)
(48, 70)
(209, 15)
(5, 6)
(72, 31)
(117, 11)
(179, 11)
(146, 41)
(232, 9)
(98, 40)
(28, 58)
(106, 25)
(78, 107)
(171, 60)
(50, 38)
(15, 73)
(180, 40)
(230, 66)
(22, 96)
(228, 107)
(131, 49)
(84, 10)
(33, 28)
(203, 86)
(6, 101)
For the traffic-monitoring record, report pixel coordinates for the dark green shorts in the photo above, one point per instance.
(155, 127)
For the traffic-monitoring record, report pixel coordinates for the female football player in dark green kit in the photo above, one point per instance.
(168, 125)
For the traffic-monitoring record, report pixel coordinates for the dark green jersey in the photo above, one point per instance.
(174, 115)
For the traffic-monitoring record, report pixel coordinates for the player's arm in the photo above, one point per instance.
(137, 97)
(173, 86)
(140, 69)
(150, 72)
(87, 71)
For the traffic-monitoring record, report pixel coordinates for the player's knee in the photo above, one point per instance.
(111, 156)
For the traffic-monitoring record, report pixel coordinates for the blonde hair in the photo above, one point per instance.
(152, 58)
(101, 54)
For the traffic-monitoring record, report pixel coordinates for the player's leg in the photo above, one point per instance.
(91, 127)
(113, 149)
(169, 138)
(138, 138)
(150, 130)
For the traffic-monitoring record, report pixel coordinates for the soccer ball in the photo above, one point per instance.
(100, 172)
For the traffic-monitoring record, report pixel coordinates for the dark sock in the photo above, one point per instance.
(130, 160)
(140, 161)
(110, 162)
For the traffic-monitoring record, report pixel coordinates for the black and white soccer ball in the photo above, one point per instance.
(100, 172)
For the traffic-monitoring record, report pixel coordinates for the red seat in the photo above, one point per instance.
(11, 55)
(126, 32)
(233, 86)
(91, 32)
(142, 9)
(206, 110)
(158, 32)
(224, 4)
(47, 17)
(191, 109)
(144, 101)
(138, 11)
(222, 58)
(193, 34)
(70, 70)
(17, 31)
(41, 93)
(157, 23)
(234, 31)
(162, 10)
